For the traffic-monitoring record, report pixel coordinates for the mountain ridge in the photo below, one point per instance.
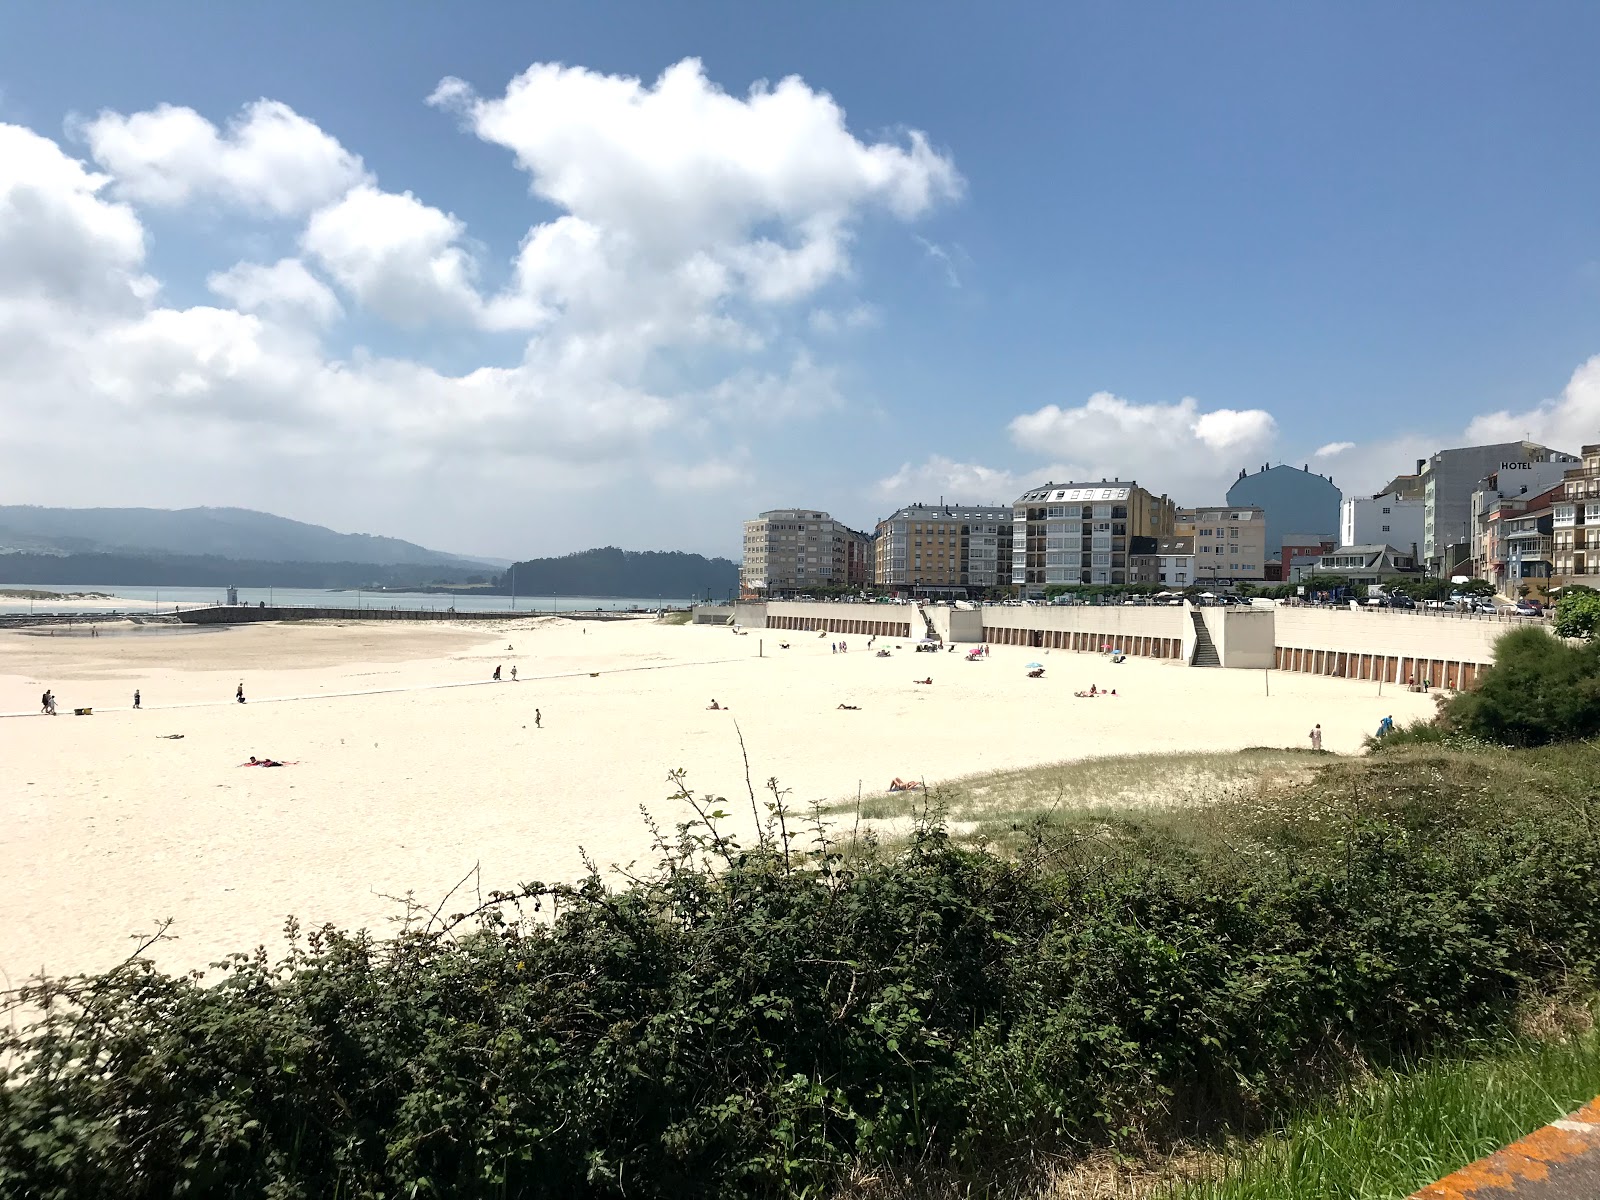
(222, 532)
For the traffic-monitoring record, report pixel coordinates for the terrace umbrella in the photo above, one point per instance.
(1031, 666)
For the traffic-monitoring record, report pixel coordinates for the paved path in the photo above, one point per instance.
(1559, 1162)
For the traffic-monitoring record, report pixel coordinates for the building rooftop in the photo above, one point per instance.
(952, 512)
(1176, 545)
(1106, 489)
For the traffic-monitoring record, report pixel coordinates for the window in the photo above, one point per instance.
(1386, 513)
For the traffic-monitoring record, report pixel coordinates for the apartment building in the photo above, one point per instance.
(1389, 518)
(1517, 545)
(1168, 561)
(1575, 524)
(1451, 478)
(944, 548)
(792, 549)
(1229, 542)
(1076, 533)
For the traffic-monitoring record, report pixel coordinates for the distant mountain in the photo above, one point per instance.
(162, 570)
(237, 533)
(630, 573)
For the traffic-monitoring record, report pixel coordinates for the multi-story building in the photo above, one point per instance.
(1575, 524)
(1168, 561)
(1502, 494)
(944, 548)
(1517, 543)
(1075, 533)
(1229, 543)
(1389, 518)
(1451, 477)
(792, 549)
(1293, 497)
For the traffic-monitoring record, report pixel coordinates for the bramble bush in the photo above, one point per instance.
(760, 1020)
(1540, 691)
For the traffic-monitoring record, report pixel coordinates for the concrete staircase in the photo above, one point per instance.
(1205, 651)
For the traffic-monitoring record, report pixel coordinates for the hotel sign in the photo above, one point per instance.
(1516, 466)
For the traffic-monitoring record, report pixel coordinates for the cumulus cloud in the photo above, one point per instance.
(1173, 448)
(680, 201)
(270, 158)
(1331, 449)
(396, 256)
(661, 303)
(61, 239)
(967, 483)
(285, 291)
(1565, 422)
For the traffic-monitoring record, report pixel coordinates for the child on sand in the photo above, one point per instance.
(1316, 737)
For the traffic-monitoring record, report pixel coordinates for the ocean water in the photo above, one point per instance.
(170, 598)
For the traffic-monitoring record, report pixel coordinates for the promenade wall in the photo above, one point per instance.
(1144, 630)
(1360, 644)
(860, 620)
(1393, 646)
(713, 614)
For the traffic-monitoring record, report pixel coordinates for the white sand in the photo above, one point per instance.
(106, 827)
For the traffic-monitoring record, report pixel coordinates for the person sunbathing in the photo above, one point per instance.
(928, 680)
(263, 762)
(901, 785)
(715, 707)
(851, 707)
(1036, 673)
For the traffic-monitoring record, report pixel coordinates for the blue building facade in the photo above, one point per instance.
(1296, 500)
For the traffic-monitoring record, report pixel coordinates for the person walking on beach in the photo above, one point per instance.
(1316, 737)
(537, 719)
(238, 692)
(497, 674)
(47, 703)
(136, 697)
(513, 672)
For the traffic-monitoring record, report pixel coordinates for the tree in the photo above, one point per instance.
(1578, 613)
(1540, 691)
(1476, 587)
(1421, 588)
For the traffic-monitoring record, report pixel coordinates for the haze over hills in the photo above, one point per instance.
(608, 571)
(233, 533)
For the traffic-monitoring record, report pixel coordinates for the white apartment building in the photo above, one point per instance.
(1388, 519)
(791, 549)
(1229, 542)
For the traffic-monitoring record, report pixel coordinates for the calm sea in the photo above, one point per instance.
(170, 598)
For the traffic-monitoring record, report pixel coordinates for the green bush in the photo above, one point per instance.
(1577, 613)
(1539, 691)
(757, 1022)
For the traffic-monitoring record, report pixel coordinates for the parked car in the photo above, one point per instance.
(1530, 608)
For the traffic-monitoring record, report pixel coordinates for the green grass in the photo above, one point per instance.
(1008, 807)
(1403, 1131)
(676, 618)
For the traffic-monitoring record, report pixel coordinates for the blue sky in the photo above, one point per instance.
(968, 251)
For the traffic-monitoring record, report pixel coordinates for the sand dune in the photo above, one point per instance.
(410, 767)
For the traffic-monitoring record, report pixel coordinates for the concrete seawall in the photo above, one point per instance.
(1359, 644)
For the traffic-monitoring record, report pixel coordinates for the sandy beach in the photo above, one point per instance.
(410, 767)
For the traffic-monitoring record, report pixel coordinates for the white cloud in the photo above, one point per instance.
(397, 256)
(285, 291)
(271, 159)
(1331, 449)
(60, 239)
(1172, 448)
(831, 321)
(662, 301)
(942, 257)
(679, 200)
(1566, 422)
(966, 483)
